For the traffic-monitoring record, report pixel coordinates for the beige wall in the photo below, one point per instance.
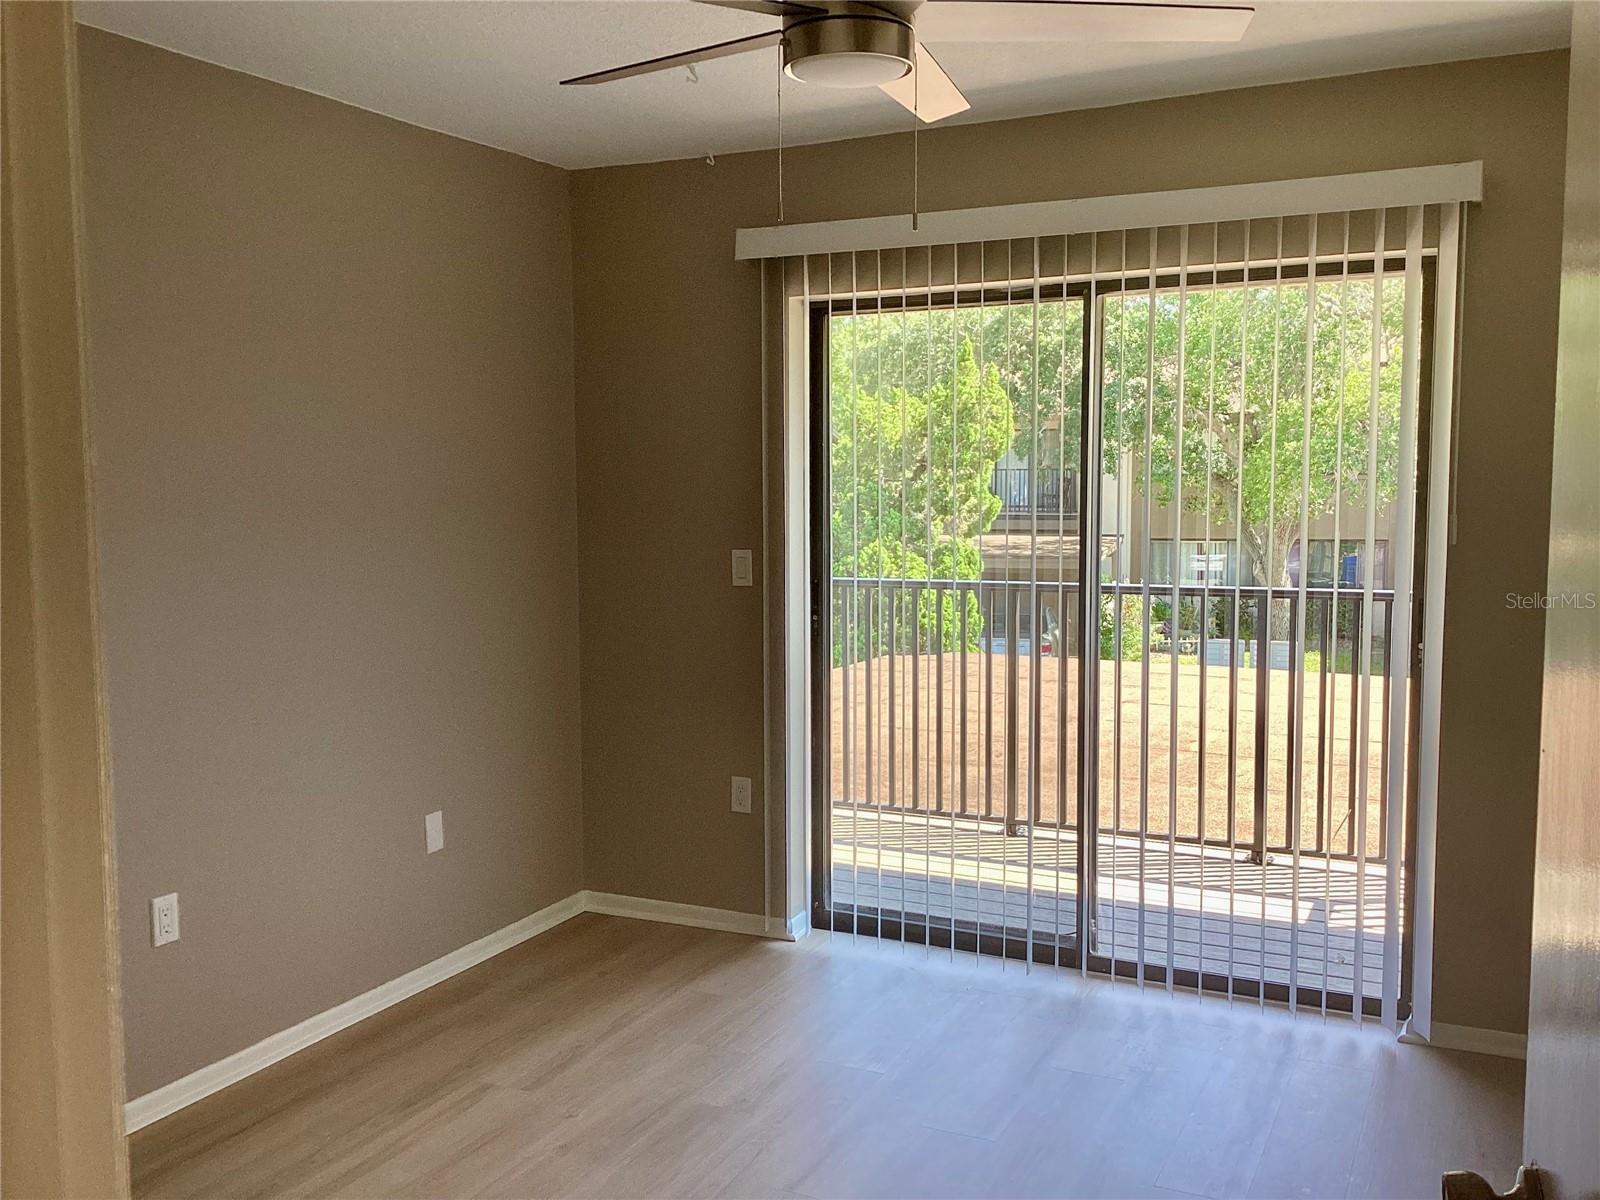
(669, 451)
(332, 408)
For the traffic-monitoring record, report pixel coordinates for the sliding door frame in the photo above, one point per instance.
(902, 926)
(1091, 292)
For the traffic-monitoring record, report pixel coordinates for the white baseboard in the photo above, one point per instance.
(792, 930)
(1478, 1041)
(180, 1093)
(669, 913)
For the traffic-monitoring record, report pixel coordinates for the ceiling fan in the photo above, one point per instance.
(884, 43)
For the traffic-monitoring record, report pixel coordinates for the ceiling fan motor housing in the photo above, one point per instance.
(862, 48)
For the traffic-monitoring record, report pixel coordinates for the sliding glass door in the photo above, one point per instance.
(1108, 532)
(1251, 432)
(950, 523)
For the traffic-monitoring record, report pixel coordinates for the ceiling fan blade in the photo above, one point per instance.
(927, 90)
(769, 8)
(1079, 21)
(759, 41)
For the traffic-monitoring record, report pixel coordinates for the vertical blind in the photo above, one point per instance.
(1115, 544)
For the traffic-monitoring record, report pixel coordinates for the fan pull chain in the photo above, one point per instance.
(916, 129)
(780, 133)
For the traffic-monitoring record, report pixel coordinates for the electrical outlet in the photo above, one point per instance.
(433, 829)
(164, 919)
(741, 794)
(743, 569)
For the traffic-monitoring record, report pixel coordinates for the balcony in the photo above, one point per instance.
(1024, 491)
(1236, 784)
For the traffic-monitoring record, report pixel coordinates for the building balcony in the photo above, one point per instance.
(1026, 491)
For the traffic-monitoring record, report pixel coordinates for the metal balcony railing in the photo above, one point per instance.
(1272, 728)
(1048, 491)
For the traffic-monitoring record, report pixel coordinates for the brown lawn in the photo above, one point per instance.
(918, 761)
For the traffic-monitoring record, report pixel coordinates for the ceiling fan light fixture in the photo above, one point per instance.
(848, 50)
(851, 69)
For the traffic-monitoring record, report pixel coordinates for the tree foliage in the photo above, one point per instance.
(1247, 447)
(910, 484)
(913, 350)
(925, 403)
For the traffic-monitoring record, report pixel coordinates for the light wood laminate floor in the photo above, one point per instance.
(619, 1058)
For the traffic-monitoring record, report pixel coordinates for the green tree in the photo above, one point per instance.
(1129, 639)
(912, 459)
(913, 349)
(910, 486)
(1245, 436)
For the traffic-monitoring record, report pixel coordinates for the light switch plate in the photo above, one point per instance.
(741, 794)
(433, 826)
(164, 919)
(743, 569)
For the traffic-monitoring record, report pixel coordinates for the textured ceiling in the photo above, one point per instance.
(488, 71)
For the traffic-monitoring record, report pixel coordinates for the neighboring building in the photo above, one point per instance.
(1036, 537)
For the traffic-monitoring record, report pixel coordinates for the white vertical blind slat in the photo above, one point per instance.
(961, 595)
(921, 717)
(1441, 422)
(1234, 613)
(1144, 596)
(1205, 603)
(1034, 624)
(1090, 471)
(1176, 608)
(855, 614)
(1333, 621)
(1399, 643)
(1368, 565)
(1295, 814)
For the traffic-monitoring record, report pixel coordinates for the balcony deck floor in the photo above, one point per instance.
(1224, 909)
